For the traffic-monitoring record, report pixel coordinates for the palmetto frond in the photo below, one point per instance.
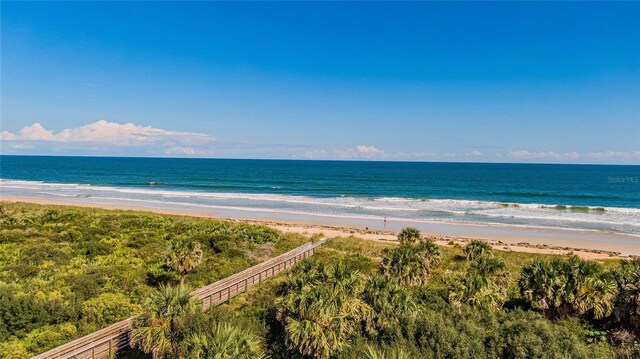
(394, 353)
(388, 301)
(561, 286)
(184, 256)
(172, 301)
(321, 316)
(154, 337)
(411, 263)
(224, 341)
(477, 248)
(486, 265)
(627, 305)
(409, 235)
(154, 330)
(476, 290)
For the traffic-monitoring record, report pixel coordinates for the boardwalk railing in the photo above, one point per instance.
(106, 342)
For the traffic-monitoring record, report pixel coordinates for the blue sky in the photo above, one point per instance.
(490, 82)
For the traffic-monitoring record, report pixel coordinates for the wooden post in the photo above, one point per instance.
(228, 294)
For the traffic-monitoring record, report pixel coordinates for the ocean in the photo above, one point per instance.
(602, 198)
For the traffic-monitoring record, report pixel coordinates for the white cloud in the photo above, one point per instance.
(572, 155)
(36, 132)
(359, 152)
(534, 155)
(372, 153)
(129, 139)
(473, 153)
(20, 146)
(613, 155)
(314, 154)
(7, 136)
(110, 133)
(577, 157)
(363, 152)
(190, 151)
(107, 138)
(415, 155)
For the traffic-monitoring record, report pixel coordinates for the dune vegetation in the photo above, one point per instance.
(437, 302)
(365, 299)
(67, 271)
(352, 299)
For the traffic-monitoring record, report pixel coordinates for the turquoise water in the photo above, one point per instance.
(594, 197)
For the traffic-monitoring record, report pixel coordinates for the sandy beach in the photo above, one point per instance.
(560, 244)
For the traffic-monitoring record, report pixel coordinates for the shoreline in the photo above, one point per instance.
(527, 244)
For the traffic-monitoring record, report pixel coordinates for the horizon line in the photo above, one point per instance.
(320, 160)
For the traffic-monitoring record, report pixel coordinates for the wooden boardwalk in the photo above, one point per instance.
(107, 341)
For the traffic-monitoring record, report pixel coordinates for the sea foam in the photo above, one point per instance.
(614, 219)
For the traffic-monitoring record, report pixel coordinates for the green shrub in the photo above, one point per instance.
(106, 309)
(562, 287)
(409, 235)
(477, 248)
(49, 336)
(14, 349)
(62, 265)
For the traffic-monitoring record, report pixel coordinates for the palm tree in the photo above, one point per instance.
(627, 304)
(224, 341)
(487, 265)
(394, 353)
(475, 289)
(562, 287)
(409, 235)
(411, 263)
(430, 252)
(480, 286)
(477, 248)
(406, 264)
(589, 288)
(308, 272)
(155, 330)
(389, 302)
(542, 285)
(184, 256)
(321, 316)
